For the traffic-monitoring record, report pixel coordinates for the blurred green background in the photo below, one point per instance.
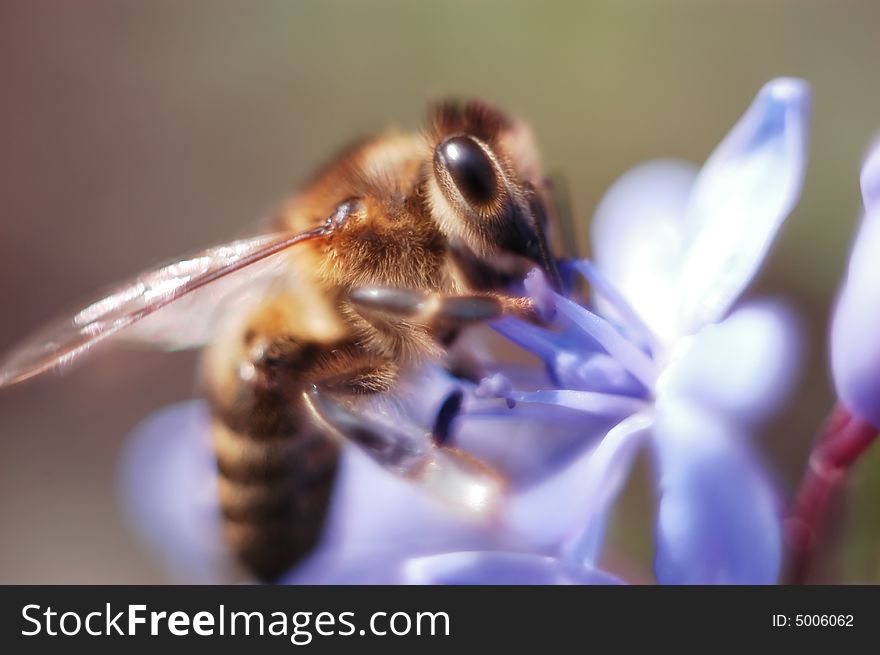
(131, 131)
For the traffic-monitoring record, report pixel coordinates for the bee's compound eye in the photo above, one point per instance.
(470, 168)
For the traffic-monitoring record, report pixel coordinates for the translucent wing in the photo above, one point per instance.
(191, 320)
(69, 336)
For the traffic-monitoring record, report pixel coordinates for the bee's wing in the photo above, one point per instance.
(192, 320)
(123, 306)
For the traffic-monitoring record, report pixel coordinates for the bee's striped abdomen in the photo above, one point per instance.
(274, 493)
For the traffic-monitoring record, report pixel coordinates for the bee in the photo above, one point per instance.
(374, 269)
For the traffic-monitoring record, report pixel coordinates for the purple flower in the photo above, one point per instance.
(674, 248)
(855, 344)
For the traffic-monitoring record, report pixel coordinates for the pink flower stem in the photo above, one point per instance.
(844, 438)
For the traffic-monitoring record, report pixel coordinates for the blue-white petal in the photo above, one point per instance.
(855, 344)
(168, 485)
(574, 501)
(499, 568)
(870, 178)
(530, 442)
(742, 368)
(377, 521)
(718, 519)
(637, 239)
(742, 195)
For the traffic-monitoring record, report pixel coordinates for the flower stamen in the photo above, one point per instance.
(603, 287)
(633, 359)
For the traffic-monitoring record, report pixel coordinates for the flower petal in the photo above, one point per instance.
(741, 367)
(740, 199)
(580, 493)
(870, 178)
(718, 520)
(499, 568)
(530, 442)
(855, 326)
(637, 240)
(377, 520)
(168, 485)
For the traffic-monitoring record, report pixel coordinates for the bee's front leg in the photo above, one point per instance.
(437, 310)
(444, 315)
(444, 471)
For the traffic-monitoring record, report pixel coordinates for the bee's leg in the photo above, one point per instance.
(390, 445)
(441, 431)
(386, 443)
(444, 315)
(561, 215)
(444, 471)
(437, 310)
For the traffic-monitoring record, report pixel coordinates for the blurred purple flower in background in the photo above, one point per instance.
(662, 360)
(855, 365)
(855, 328)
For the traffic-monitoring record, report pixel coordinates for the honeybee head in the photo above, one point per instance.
(482, 188)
